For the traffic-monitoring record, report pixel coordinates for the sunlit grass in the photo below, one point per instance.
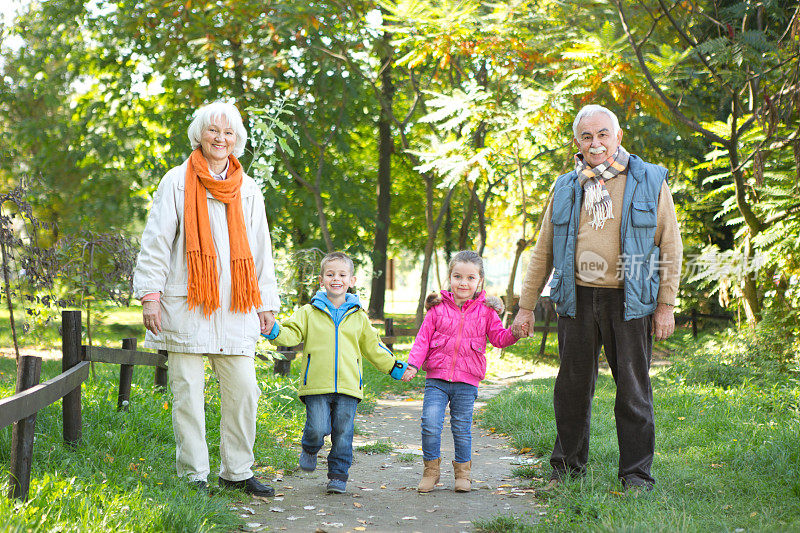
(726, 458)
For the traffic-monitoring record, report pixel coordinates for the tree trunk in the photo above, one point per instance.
(377, 297)
(433, 230)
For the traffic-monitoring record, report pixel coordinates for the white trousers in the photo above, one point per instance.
(239, 400)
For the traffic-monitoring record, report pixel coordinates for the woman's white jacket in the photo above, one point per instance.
(161, 267)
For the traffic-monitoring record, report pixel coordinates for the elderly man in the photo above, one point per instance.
(611, 239)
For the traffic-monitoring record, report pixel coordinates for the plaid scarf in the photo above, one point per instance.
(593, 180)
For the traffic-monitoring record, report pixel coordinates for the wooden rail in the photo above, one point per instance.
(31, 396)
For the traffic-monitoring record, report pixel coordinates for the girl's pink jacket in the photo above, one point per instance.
(451, 343)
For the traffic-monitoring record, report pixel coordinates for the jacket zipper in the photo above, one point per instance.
(458, 344)
(308, 365)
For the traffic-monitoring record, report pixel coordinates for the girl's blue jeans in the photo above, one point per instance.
(461, 397)
(331, 414)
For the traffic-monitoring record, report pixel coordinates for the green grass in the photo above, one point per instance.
(503, 524)
(124, 466)
(407, 458)
(727, 457)
(381, 446)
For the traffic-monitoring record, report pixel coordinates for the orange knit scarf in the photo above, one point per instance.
(201, 256)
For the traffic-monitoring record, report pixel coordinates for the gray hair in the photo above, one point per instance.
(591, 110)
(336, 256)
(204, 116)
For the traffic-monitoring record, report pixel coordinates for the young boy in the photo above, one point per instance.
(336, 334)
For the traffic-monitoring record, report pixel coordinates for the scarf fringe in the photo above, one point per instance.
(246, 293)
(203, 287)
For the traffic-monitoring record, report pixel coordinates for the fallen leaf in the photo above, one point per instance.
(252, 525)
(277, 509)
(754, 513)
(409, 518)
(503, 485)
(309, 507)
(356, 504)
(383, 486)
(464, 522)
(360, 528)
(248, 509)
(294, 517)
(525, 450)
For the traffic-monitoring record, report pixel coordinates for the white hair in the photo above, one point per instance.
(590, 110)
(204, 117)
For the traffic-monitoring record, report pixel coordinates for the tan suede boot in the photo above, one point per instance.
(462, 470)
(430, 476)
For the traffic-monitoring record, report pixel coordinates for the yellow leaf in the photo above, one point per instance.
(166, 406)
(360, 528)
(754, 513)
(356, 504)
(524, 450)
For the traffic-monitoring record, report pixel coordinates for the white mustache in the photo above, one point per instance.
(597, 150)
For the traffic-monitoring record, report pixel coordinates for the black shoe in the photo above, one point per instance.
(250, 486)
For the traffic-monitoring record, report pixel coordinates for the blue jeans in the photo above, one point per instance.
(331, 414)
(461, 396)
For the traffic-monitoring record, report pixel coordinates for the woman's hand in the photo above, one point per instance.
(151, 316)
(409, 374)
(266, 318)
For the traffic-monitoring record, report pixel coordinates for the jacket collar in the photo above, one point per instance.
(321, 302)
(447, 297)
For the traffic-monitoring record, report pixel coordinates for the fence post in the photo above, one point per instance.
(547, 313)
(125, 378)
(389, 330)
(694, 322)
(29, 370)
(160, 379)
(71, 356)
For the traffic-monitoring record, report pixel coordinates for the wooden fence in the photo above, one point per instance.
(32, 396)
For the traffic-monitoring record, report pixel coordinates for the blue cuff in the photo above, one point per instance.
(398, 369)
(276, 329)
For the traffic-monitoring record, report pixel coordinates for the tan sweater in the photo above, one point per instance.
(597, 251)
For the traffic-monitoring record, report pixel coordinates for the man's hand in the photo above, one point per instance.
(151, 316)
(409, 374)
(663, 321)
(266, 318)
(522, 323)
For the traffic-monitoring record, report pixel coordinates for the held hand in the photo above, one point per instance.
(266, 319)
(151, 316)
(522, 323)
(409, 374)
(663, 321)
(524, 330)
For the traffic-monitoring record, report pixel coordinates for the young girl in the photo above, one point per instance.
(450, 347)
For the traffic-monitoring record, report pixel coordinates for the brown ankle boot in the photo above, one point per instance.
(430, 477)
(462, 470)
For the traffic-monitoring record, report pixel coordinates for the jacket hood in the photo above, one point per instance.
(435, 298)
(321, 301)
(493, 302)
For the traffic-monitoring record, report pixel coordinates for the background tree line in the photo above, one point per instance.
(418, 128)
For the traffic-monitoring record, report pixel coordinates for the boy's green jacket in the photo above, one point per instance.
(333, 349)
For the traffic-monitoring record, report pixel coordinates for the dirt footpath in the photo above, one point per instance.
(381, 493)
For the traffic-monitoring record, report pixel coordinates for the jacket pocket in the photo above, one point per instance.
(556, 287)
(562, 206)
(643, 214)
(437, 351)
(475, 358)
(308, 365)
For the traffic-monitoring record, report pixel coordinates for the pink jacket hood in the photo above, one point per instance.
(451, 343)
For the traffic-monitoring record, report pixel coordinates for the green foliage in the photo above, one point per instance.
(503, 524)
(762, 355)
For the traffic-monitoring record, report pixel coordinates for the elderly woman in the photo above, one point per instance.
(207, 284)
